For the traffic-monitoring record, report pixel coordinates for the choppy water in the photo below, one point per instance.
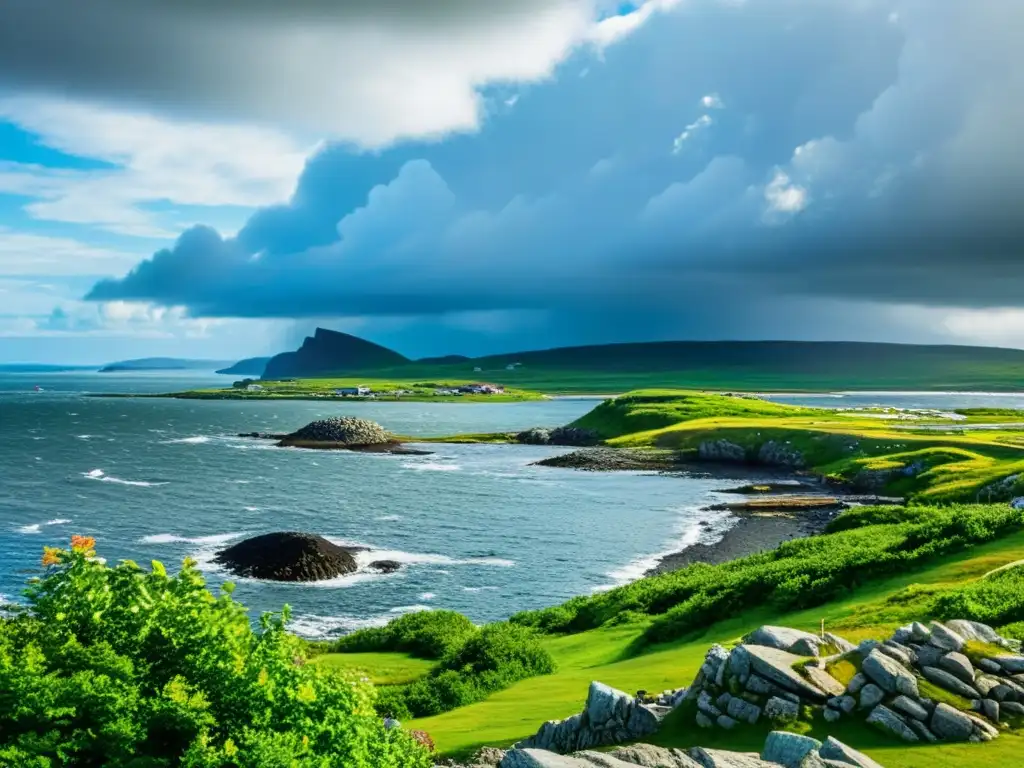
(477, 529)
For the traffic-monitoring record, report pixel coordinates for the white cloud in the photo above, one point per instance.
(23, 253)
(712, 101)
(702, 122)
(154, 161)
(783, 196)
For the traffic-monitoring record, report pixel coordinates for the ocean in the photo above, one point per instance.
(476, 527)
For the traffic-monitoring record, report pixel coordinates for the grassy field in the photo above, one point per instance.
(871, 610)
(386, 390)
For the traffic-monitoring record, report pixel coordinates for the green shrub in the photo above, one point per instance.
(117, 666)
(427, 634)
(802, 573)
(493, 659)
(996, 600)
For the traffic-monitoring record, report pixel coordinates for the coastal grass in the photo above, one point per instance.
(381, 668)
(870, 610)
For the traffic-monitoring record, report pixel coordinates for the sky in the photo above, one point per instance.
(213, 178)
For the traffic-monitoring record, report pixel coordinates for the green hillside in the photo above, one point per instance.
(727, 365)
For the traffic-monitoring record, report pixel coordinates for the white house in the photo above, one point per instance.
(353, 391)
(254, 388)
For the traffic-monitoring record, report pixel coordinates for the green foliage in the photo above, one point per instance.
(492, 659)
(426, 634)
(994, 600)
(655, 409)
(802, 573)
(120, 667)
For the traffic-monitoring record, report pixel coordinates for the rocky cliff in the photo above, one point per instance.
(331, 352)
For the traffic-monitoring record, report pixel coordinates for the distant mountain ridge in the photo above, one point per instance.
(329, 352)
(250, 366)
(164, 364)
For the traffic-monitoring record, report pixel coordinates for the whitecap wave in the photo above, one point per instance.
(388, 518)
(194, 440)
(170, 538)
(411, 608)
(427, 596)
(313, 627)
(83, 437)
(479, 589)
(430, 466)
(99, 474)
(252, 509)
(367, 556)
(38, 527)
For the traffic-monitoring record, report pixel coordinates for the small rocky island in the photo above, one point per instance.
(291, 556)
(347, 433)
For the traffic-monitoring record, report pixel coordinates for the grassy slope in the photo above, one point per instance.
(423, 390)
(873, 610)
(752, 366)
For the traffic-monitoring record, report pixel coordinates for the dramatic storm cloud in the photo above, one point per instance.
(703, 168)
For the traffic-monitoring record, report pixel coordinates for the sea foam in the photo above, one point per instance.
(98, 474)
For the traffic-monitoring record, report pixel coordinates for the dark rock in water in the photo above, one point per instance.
(343, 430)
(287, 556)
(571, 436)
(385, 566)
(617, 459)
(261, 435)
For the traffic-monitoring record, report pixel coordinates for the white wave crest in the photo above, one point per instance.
(170, 538)
(313, 627)
(417, 558)
(98, 474)
(388, 518)
(479, 589)
(430, 466)
(411, 608)
(252, 509)
(194, 440)
(37, 527)
(427, 596)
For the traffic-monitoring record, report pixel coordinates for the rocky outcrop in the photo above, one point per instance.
(385, 566)
(342, 430)
(571, 436)
(776, 454)
(721, 450)
(288, 556)
(781, 750)
(609, 717)
(605, 459)
(1000, 490)
(776, 672)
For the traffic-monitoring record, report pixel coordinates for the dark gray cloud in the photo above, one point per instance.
(355, 69)
(866, 152)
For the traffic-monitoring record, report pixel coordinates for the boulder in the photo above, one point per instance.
(990, 709)
(717, 758)
(843, 703)
(886, 720)
(287, 556)
(944, 638)
(721, 450)
(788, 749)
(844, 645)
(776, 454)
(539, 758)
(823, 680)
(833, 749)
(743, 711)
(726, 722)
(604, 760)
(777, 667)
(782, 638)
(907, 706)
(650, 756)
(1012, 664)
(975, 630)
(857, 682)
(385, 566)
(889, 674)
(945, 680)
(870, 695)
(898, 652)
(951, 724)
(1014, 708)
(919, 633)
(781, 710)
(959, 666)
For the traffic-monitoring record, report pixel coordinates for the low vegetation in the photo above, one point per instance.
(425, 634)
(126, 667)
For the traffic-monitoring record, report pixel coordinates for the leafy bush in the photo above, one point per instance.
(493, 659)
(427, 634)
(799, 574)
(996, 600)
(116, 666)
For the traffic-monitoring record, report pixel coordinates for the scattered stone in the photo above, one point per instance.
(832, 715)
(1011, 664)
(833, 749)
(1012, 708)
(951, 724)
(724, 721)
(945, 680)
(744, 711)
(928, 655)
(782, 638)
(651, 756)
(889, 674)
(990, 709)
(898, 653)
(844, 645)
(716, 758)
(823, 680)
(922, 731)
(920, 633)
(886, 720)
(857, 682)
(777, 666)
(844, 703)
(990, 666)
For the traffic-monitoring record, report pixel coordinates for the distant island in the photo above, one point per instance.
(42, 368)
(251, 366)
(164, 364)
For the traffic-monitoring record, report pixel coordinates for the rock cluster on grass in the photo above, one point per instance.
(776, 673)
(572, 436)
(344, 430)
(609, 717)
(288, 556)
(781, 750)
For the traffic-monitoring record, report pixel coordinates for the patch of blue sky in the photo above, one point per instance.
(20, 146)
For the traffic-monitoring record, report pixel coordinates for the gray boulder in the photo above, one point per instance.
(650, 756)
(833, 749)
(823, 680)
(959, 666)
(857, 682)
(743, 711)
(721, 450)
(945, 638)
(780, 710)
(1016, 709)
(788, 749)
(1012, 664)
(907, 706)
(841, 643)
(777, 667)
(870, 696)
(951, 724)
(945, 680)
(889, 674)
(782, 638)
(886, 720)
(539, 758)
(716, 758)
